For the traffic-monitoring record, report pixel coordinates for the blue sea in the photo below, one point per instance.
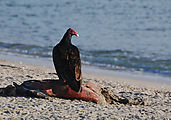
(126, 35)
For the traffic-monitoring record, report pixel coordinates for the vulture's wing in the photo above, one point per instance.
(68, 66)
(74, 69)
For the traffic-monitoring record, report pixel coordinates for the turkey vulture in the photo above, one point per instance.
(67, 62)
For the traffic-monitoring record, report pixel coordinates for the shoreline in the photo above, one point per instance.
(156, 96)
(129, 75)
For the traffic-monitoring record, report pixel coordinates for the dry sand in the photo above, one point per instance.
(157, 97)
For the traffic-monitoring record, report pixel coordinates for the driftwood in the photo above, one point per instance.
(55, 88)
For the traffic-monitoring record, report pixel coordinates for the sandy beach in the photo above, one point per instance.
(157, 97)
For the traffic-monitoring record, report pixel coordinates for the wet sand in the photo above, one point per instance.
(157, 97)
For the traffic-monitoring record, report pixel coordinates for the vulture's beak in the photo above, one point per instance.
(77, 35)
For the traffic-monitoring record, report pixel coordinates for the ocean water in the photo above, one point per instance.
(131, 35)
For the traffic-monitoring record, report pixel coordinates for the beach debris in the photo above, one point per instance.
(112, 98)
(49, 88)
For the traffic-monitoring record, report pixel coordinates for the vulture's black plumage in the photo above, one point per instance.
(67, 62)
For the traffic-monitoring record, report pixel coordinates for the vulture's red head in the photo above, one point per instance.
(72, 32)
